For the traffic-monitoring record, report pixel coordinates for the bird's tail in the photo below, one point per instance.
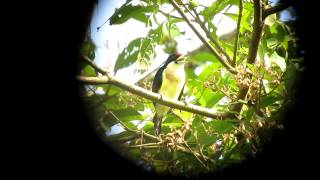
(157, 124)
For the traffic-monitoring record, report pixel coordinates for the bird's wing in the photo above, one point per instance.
(157, 81)
(181, 92)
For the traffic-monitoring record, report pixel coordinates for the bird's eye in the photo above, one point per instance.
(176, 62)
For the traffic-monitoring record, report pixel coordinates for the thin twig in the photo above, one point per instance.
(146, 145)
(234, 60)
(92, 64)
(183, 149)
(220, 58)
(223, 92)
(186, 8)
(141, 139)
(208, 34)
(169, 15)
(196, 156)
(131, 130)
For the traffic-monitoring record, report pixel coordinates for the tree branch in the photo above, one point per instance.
(169, 15)
(253, 49)
(257, 31)
(208, 34)
(234, 60)
(92, 64)
(152, 96)
(275, 9)
(222, 61)
(196, 156)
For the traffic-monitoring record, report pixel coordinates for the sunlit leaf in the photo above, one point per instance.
(127, 11)
(233, 16)
(280, 61)
(89, 71)
(129, 55)
(272, 43)
(216, 7)
(203, 57)
(209, 98)
(271, 19)
(172, 125)
(209, 70)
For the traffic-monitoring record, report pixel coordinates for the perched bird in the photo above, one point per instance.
(169, 81)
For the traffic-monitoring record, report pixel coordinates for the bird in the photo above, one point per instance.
(169, 81)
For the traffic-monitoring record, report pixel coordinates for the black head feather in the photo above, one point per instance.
(171, 58)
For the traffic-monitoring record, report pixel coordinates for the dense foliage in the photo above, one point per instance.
(192, 143)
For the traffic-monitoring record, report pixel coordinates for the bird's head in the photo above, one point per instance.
(176, 58)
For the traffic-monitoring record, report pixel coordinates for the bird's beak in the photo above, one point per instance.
(182, 59)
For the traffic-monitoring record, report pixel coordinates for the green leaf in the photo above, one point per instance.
(190, 73)
(129, 55)
(247, 17)
(221, 126)
(172, 125)
(233, 16)
(271, 19)
(170, 118)
(148, 127)
(280, 61)
(205, 138)
(203, 57)
(278, 31)
(160, 166)
(272, 42)
(209, 98)
(268, 100)
(110, 89)
(146, 48)
(196, 121)
(88, 49)
(249, 114)
(236, 156)
(209, 70)
(114, 103)
(130, 125)
(89, 71)
(173, 29)
(127, 11)
(127, 114)
(108, 121)
(214, 99)
(216, 7)
(200, 132)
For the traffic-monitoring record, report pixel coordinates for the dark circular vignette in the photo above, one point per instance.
(279, 158)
